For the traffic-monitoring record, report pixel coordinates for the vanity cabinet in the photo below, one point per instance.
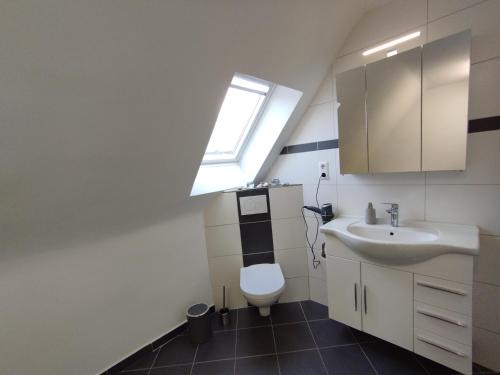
(424, 307)
(374, 299)
(407, 112)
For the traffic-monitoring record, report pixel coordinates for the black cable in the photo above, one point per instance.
(315, 262)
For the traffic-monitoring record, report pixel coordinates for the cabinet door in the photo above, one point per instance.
(388, 304)
(445, 96)
(353, 141)
(343, 284)
(393, 112)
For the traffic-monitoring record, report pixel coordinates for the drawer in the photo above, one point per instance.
(445, 323)
(445, 294)
(447, 352)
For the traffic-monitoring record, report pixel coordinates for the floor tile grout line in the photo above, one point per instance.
(154, 361)
(194, 359)
(368, 359)
(314, 340)
(421, 365)
(235, 342)
(275, 346)
(262, 355)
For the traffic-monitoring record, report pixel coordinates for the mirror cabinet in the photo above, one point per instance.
(408, 112)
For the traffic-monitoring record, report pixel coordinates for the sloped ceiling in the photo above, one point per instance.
(106, 106)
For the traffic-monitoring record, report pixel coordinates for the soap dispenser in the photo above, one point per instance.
(370, 217)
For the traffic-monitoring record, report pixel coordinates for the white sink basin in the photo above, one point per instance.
(411, 242)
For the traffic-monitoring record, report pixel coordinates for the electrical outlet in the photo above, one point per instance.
(323, 168)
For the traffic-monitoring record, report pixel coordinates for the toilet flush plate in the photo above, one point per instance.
(255, 204)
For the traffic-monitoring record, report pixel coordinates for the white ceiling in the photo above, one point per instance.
(106, 106)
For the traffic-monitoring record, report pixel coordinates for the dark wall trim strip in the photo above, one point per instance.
(484, 124)
(475, 126)
(312, 146)
(149, 348)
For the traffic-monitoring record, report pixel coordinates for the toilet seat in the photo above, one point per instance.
(262, 280)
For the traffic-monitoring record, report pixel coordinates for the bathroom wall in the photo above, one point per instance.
(471, 197)
(235, 240)
(83, 307)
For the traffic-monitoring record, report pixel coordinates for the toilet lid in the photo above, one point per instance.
(261, 279)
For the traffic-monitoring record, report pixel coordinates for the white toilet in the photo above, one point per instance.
(262, 285)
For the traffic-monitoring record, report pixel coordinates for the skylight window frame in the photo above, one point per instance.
(246, 135)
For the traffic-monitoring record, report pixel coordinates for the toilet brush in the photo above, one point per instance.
(224, 312)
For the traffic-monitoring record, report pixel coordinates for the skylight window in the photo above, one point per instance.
(242, 106)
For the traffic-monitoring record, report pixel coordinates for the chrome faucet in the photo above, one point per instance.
(394, 212)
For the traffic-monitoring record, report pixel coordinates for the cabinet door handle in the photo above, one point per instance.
(355, 297)
(364, 298)
(442, 317)
(442, 288)
(441, 346)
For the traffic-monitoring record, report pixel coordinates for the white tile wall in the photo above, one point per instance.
(225, 270)
(317, 120)
(482, 20)
(483, 162)
(465, 204)
(486, 308)
(318, 290)
(320, 271)
(297, 289)
(293, 262)
(487, 264)
(222, 209)
(325, 91)
(353, 200)
(285, 202)
(223, 240)
(285, 167)
(471, 197)
(485, 348)
(484, 90)
(288, 233)
(441, 8)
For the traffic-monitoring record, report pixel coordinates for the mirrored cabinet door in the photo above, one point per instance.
(393, 105)
(445, 95)
(353, 151)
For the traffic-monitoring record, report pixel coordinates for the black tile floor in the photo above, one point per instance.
(297, 339)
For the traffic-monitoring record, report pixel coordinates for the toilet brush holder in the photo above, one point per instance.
(225, 318)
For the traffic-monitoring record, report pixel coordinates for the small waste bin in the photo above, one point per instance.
(199, 323)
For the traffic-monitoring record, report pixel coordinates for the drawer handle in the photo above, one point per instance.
(355, 297)
(364, 297)
(442, 288)
(441, 317)
(441, 346)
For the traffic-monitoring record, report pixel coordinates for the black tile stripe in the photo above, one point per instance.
(328, 145)
(312, 146)
(303, 147)
(475, 126)
(484, 124)
(256, 232)
(259, 258)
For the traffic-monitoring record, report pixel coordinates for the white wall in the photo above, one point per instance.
(106, 108)
(471, 197)
(79, 309)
